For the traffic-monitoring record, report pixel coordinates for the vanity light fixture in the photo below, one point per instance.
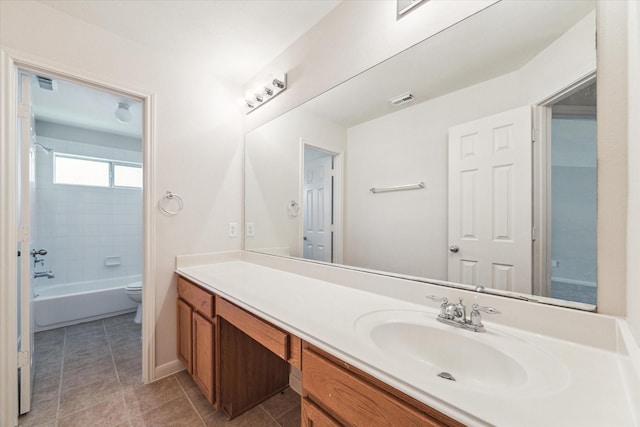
(264, 92)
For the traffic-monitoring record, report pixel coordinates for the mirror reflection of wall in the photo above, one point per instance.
(475, 70)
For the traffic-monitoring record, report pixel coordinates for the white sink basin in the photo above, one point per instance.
(417, 345)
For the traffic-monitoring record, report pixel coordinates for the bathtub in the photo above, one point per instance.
(55, 306)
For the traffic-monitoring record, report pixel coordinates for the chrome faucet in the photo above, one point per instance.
(48, 274)
(455, 314)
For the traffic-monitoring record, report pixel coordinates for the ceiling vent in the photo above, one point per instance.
(46, 83)
(402, 99)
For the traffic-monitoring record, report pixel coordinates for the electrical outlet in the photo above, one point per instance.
(251, 229)
(233, 229)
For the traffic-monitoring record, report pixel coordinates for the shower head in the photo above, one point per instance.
(48, 150)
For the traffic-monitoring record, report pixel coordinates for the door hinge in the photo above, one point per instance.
(533, 135)
(23, 110)
(533, 234)
(23, 359)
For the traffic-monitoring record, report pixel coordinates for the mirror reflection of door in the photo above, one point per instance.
(573, 202)
(489, 202)
(318, 205)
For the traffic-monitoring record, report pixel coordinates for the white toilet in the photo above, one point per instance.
(134, 291)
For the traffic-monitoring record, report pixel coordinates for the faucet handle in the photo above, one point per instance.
(487, 309)
(443, 306)
(475, 319)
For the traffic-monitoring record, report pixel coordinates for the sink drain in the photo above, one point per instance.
(446, 376)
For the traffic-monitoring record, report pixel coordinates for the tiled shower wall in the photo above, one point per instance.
(80, 225)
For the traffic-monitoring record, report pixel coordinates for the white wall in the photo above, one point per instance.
(198, 133)
(633, 272)
(273, 176)
(407, 232)
(612, 112)
(81, 225)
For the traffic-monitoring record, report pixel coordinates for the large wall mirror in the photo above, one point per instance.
(467, 160)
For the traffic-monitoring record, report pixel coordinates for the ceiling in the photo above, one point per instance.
(496, 41)
(240, 37)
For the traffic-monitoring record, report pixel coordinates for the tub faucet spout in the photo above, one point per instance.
(48, 274)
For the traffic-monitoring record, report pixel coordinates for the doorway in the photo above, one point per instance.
(320, 202)
(14, 230)
(568, 176)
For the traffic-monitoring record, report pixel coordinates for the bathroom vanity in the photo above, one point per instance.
(369, 357)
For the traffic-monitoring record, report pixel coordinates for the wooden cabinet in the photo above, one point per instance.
(185, 342)
(203, 333)
(353, 398)
(312, 416)
(239, 360)
(253, 359)
(197, 336)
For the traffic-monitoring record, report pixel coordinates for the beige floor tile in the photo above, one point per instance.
(290, 418)
(77, 363)
(281, 403)
(142, 399)
(126, 337)
(43, 410)
(115, 321)
(103, 371)
(86, 396)
(175, 413)
(51, 336)
(108, 413)
(202, 405)
(256, 417)
(46, 386)
(131, 378)
(47, 368)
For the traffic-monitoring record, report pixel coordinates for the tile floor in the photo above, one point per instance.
(90, 375)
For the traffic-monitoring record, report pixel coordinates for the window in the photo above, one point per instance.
(127, 175)
(78, 170)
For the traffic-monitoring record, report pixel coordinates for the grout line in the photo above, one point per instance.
(64, 351)
(269, 414)
(190, 401)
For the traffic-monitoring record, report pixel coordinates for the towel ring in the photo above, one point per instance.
(170, 196)
(294, 209)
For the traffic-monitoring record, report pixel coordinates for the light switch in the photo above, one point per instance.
(251, 229)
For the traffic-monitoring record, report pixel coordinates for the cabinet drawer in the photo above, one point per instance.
(198, 298)
(353, 401)
(312, 416)
(269, 336)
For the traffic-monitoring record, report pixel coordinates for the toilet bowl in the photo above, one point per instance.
(134, 291)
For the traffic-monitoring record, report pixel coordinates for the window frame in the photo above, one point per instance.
(112, 163)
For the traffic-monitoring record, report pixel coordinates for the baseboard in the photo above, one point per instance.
(167, 369)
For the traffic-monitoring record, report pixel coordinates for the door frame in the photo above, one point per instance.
(338, 199)
(10, 64)
(542, 185)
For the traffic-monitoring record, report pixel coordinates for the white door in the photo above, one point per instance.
(317, 209)
(26, 218)
(490, 208)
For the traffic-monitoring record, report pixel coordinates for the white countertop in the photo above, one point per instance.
(597, 391)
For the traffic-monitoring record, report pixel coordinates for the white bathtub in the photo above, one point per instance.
(55, 306)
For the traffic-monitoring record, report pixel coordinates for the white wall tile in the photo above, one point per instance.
(80, 225)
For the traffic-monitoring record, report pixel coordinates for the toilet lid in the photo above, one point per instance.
(134, 286)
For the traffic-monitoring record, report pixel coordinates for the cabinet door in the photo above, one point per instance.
(184, 334)
(203, 355)
(312, 416)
